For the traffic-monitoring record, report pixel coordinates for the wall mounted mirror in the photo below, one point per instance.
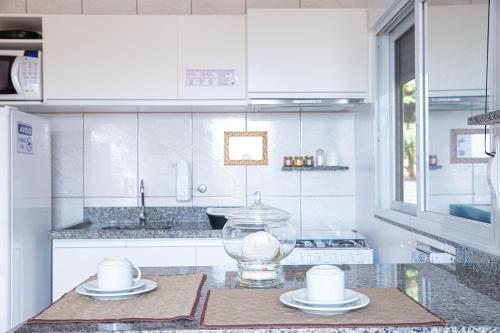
(245, 148)
(467, 146)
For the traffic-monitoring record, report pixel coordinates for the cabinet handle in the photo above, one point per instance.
(202, 188)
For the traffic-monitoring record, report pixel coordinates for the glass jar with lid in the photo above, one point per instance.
(259, 237)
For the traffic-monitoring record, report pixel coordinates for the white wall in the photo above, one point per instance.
(99, 159)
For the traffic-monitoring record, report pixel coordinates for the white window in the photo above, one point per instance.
(432, 170)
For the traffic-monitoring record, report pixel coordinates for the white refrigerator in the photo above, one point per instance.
(25, 216)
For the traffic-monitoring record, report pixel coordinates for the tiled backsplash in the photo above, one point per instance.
(99, 158)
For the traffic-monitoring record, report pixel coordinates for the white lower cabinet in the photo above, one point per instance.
(74, 260)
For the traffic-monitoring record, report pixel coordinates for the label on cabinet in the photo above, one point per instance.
(211, 77)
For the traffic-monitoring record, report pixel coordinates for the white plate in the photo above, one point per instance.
(148, 286)
(300, 296)
(287, 299)
(92, 286)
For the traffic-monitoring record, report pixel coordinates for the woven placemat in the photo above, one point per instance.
(245, 308)
(176, 297)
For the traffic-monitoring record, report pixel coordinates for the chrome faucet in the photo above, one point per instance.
(142, 215)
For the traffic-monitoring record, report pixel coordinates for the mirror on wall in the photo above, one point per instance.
(456, 67)
(245, 148)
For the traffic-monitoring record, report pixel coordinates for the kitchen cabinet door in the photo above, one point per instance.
(210, 252)
(73, 261)
(161, 253)
(212, 59)
(295, 51)
(456, 53)
(110, 57)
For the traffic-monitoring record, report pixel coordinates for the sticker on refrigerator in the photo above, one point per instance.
(24, 138)
(211, 77)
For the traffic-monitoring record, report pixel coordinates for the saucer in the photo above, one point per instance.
(300, 296)
(147, 287)
(288, 300)
(93, 286)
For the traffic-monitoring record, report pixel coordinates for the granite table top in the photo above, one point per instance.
(88, 230)
(467, 301)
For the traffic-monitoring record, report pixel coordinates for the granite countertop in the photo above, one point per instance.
(467, 301)
(88, 230)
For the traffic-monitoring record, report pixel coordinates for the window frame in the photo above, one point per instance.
(464, 231)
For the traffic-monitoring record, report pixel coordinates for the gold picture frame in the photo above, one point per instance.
(461, 140)
(245, 148)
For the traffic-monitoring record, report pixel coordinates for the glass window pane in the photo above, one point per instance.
(406, 133)
(456, 65)
(409, 143)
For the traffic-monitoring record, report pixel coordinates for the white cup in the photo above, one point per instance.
(332, 159)
(116, 273)
(325, 283)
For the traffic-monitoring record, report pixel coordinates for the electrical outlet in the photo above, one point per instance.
(442, 258)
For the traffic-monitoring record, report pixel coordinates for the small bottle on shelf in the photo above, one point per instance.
(320, 158)
(288, 161)
(298, 161)
(309, 161)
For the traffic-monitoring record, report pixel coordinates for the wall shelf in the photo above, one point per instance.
(21, 44)
(316, 168)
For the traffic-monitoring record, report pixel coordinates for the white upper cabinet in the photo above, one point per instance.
(212, 57)
(110, 57)
(456, 49)
(297, 51)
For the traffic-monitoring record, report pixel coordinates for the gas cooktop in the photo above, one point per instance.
(332, 239)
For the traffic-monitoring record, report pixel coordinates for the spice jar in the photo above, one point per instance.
(298, 161)
(433, 160)
(309, 161)
(288, 161)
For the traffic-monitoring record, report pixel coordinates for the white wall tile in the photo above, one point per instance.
(219, 201)
(481, 188)
(110, 146)
(283, 140)
(109, 202)
(109, 7)
(66, 212)
(13, 6)
(54, 6)
(67, 154)
(328, 213)
(218, 7)
(332, 132)
(273, 3)
(289, 204)
(208, 156)
(164, 140)
(164, 7)
(165, 202)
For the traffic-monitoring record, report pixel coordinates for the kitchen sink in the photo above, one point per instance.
(147, 226)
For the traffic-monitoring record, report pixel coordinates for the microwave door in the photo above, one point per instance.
(6, 69)
(14, 75)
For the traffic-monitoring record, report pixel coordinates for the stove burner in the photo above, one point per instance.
(331, 243)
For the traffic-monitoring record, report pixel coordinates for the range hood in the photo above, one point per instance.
(456, 103)
(304, 104)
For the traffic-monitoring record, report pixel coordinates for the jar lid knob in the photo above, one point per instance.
(257, 197)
